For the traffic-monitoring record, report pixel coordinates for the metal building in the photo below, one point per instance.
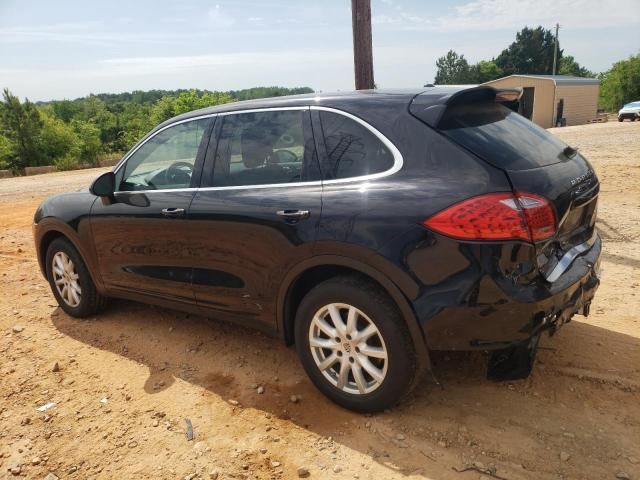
(553, 100)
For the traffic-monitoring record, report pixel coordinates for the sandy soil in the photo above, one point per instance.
(127, 380)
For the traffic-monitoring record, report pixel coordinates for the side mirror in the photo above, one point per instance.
(104, 185)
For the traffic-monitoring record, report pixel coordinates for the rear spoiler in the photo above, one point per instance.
(431, 105)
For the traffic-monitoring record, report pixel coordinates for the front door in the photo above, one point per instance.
(142, 239)
(259, 214)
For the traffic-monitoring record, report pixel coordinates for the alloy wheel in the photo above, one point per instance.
(348, 348)
(66, 279)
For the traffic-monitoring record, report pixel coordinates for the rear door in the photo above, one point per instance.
(142, 239)
(536, 162)
(257, 214)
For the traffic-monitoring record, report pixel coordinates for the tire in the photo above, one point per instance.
(80, 298)
(394, 376)
(621, 119)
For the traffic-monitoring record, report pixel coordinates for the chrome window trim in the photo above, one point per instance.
(159, 190)
(398, 160)
(264, 109)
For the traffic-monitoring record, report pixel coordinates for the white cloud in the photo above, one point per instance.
(257, 21)
(173, 20)
(219, 18)
(88, 32)
(489, 15)
(150, 65)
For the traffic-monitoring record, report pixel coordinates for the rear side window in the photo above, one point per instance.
(352, 150)
(501, 137)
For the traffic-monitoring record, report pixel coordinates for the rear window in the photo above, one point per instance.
(501, 136)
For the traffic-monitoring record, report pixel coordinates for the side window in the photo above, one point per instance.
(352, 149)
(260, 148)
(166, 160)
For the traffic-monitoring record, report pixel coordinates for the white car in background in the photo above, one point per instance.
(630, 111)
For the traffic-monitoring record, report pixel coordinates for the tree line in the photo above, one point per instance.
(66, 133)
(532, 53)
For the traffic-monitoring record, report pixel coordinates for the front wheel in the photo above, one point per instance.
(70, 281)
(354, 345)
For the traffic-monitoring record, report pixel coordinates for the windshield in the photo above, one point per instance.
(632, 105)
(501, 136)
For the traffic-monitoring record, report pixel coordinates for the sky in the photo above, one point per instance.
(71, 48)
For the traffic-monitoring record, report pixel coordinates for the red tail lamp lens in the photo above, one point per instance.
(497, 216)
(539, 215)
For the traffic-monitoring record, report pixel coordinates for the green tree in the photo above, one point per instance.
(169, 106)
(135, 121)
(89, 140)
(6, 152)
(531, 53)
(484, 71)
(95, 111)
(22, 125)
(266, 92)
(59, 143)
(452, 69)
(569, 66)
(65, 110)
(621, 84)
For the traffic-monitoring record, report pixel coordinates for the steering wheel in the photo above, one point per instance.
(179, 173)
(283, 156)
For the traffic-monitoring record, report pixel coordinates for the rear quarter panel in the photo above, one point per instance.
(436, 174)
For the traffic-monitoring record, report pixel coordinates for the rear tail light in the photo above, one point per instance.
(497, 216)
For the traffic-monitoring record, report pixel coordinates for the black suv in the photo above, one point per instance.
(366, 228)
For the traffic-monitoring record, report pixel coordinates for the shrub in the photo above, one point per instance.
(58, 140)
(89, 141)
(6, 153)
(68, 162)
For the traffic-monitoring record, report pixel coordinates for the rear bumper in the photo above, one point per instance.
(498, 313)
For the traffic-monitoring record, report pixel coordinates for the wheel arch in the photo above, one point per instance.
(44, 243)
(305, 275)
(49, 230)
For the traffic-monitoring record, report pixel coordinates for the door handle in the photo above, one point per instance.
(173, 212)
(293, 214)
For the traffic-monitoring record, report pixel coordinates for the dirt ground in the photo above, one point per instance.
(127, 380)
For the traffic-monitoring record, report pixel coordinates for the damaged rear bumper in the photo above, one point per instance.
(515, 317)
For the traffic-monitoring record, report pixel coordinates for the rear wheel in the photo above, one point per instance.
(70, 281)
(354, 344)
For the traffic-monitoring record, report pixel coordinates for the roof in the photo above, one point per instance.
(558, 79)
(321, 98)
(424, 97)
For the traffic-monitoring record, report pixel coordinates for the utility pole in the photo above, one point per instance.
(362, 49)
(555, 50)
